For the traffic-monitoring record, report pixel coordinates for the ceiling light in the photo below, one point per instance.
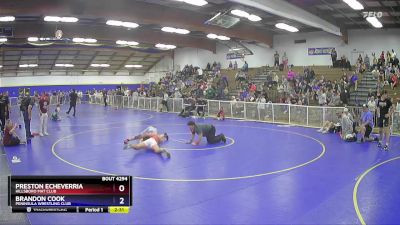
(28, 65)
(165, 47)
(356, 5)
(182, 31)
(84, 40)
(224, 38)
(121, 42)
(69, 19)
(374, 22)
(100, 65)
(212, 36)
(254, 18)
(3, 39)
(286, 27)
(123, 24)
(168, 29)
(130, 43)
(33, 39)
(114, 22)
(133, 66)
(64, 65)
(195, 2)
(7, 18)
(129, 24)
(220, 37)
(78, 39)
(240, 13)
(90, 40)
(175, 30)
(61, 19)
(1, 66)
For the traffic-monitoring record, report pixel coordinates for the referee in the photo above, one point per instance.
(204, 130)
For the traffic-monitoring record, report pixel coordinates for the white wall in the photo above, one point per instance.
(366, 41)
(166, 64)
(198, 57)
(69, 80)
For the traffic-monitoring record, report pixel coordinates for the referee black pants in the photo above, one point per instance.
(211, 138)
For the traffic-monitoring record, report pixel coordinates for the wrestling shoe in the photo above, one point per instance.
(223, 138)
(386, 148)
(379, 145)
(126, 141)
(166, 153)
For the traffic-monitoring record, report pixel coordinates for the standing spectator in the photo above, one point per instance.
(230, 65)
(367, 62)
(164, 102)
(334, 57)
(276, 61)
(3, 111)
(235, 65)
(245, 67)
(73, 97)
(285, 61)
(105, 97)
(26, 109)
(43, 109)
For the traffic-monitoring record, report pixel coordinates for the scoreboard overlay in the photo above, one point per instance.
(67, 194)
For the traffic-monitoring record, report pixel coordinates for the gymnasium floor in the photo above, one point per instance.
(265, 174)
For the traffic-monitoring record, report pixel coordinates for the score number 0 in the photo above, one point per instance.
(121, 188)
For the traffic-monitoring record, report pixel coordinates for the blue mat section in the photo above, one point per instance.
(265, 174)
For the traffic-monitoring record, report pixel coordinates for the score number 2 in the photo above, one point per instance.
(121, 188)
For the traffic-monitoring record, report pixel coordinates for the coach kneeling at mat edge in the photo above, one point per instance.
(204, 130)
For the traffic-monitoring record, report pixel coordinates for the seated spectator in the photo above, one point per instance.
(221, 114)
(10, 135)
(55, 116)
(188, 110)
(328, 126)
(291, 75)
(335, 100)
(394, 81)
(321, 97)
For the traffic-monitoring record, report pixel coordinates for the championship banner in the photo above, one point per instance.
(234, 55)
(319, 51)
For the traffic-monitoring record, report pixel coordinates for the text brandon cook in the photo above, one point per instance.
(45, 188)
(40, 200)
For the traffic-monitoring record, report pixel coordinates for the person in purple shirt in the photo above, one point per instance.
(353, 80)
(366, 125)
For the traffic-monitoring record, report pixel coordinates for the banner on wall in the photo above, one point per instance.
(234, 55)
(319, 51)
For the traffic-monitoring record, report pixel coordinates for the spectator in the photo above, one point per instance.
(276, 60)
(334, 57)
(245, 67)
(285, 61)
(10, 136)
(43, 109)
(347, 124)
(366, 125)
